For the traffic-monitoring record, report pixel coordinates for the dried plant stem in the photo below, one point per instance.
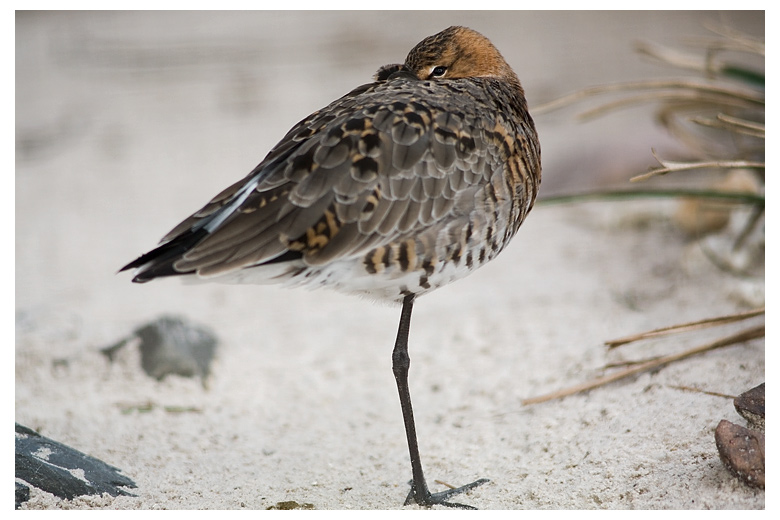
(686, 327)
(689, 90)
(682, 96)
(700, 391)
(745, 335)
(734, 124)
(709, 65)
(673, 166)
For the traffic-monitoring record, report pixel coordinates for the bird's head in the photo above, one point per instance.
(458, 52)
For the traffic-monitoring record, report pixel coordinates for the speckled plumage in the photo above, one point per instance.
(399, 187)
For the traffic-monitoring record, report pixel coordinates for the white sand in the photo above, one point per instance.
(113, 150)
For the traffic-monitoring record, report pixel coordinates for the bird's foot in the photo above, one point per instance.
(420, 495)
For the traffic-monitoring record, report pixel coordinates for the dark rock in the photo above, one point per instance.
(58, 469)
(22, 494)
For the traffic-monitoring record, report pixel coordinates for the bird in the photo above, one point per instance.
(401, 186)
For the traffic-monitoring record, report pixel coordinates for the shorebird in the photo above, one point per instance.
(401, 186)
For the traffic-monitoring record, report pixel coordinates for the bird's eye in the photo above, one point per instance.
(438, 71)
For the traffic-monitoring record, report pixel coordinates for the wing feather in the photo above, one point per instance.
(388, 161)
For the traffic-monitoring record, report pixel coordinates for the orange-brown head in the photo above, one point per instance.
(458, 52)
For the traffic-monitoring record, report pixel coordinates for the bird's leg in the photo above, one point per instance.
(419, 492)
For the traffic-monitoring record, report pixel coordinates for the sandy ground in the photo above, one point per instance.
(127, 122)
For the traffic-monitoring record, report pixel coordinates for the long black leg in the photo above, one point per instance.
(419, 492)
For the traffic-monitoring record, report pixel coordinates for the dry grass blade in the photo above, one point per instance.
(686, 327)
(733, 124)
(674, 166)
(700, 391)
(670, 97)
(708, 65)
(672, 57)
(685, 90)
(740, 337)
(736, 40)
